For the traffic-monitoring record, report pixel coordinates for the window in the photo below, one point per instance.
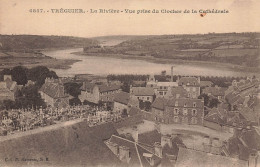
(160, 87)
(165, 87)
(176, 119)
(194, 83)
(185, 104)
(148, 98)
(185, 111)
(194, 104)
(185, 120)
(176, 103)
(194, 112)
(161, 93)
(176, 111)
(165, 93)
(194, 120)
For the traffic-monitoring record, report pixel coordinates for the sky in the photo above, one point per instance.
(15, 17)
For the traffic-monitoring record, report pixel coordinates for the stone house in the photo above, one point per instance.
(191, 84)
(143, 93)
(178, 111)
(52, 91)
(98, 93)
(217, 92)
(160, 88)
(8, 88)
(124, 101)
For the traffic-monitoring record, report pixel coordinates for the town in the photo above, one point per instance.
(158, 120)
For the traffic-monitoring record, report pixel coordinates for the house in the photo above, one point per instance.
(52, 91)
(204, 84)
(217, 92)
(191, 84)
(160, 88)
(250, 115)
(195, 158)
(237, 92)
(98, 93)
(147, 149)
(245, 146)
(143, 93)
(124, 101)
(8, 88)
(177, 92)
(221, 120)
(178, 110)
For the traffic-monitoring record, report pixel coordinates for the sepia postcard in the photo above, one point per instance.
(136, 83)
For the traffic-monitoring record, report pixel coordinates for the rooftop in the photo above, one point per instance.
(142, 91)
(188, 157)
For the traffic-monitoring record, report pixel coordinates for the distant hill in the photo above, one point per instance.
(32, 42)
(232, 48)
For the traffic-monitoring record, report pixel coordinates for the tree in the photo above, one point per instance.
(39, 74)
(72, 88)
(205, 97)
(125, 87)
(74, 101)
(213, 102)
(19, 75)
(145, 105)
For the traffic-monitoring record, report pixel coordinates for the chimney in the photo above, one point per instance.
(252, 161)
(135, 135)
(124, 154)
(206, 144)
(158, 149)
(171, 73)
(199, 80)
(216, 146)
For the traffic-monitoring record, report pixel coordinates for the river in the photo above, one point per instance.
(108, 65)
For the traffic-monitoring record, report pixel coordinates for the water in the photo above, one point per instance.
(107, 65)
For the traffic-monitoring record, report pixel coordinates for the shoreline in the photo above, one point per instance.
(35, 58)
(210, 64)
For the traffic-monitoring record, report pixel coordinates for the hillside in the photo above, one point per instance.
(25, 50)
(32, 42)
(73, 145)
(232, 48)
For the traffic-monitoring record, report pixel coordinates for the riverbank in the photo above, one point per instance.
(32, 59)
(207, 64)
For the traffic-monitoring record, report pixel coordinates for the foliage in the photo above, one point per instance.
(22, 74)
(74, 101)
(39, 74)
(27, 98)
(209, 101)
(72, 88)
(145, 105)
(19, 75)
